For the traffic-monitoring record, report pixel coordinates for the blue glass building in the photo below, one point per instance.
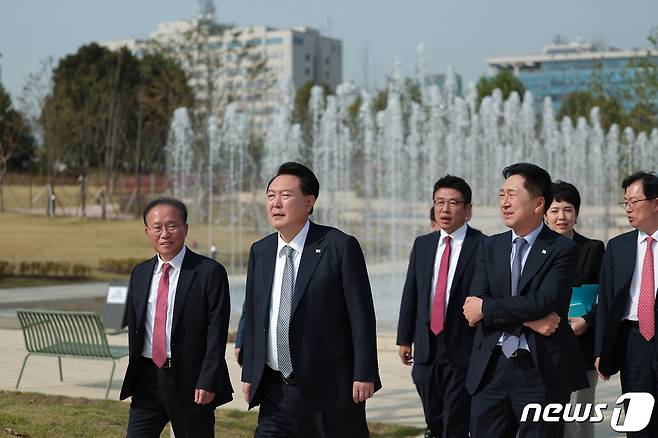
(566, 68)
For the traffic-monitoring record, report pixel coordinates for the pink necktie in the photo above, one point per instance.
(159, 347)
(645, 312)
(439, 303)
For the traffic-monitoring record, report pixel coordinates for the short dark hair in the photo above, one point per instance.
(566, 192)
(537, 180)
(454, 182)
(432, 214)
(649, 181)
(309, 183)
(177, 204)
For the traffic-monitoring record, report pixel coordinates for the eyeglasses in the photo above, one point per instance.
(452, 203)
(158, 229)
(631, 204)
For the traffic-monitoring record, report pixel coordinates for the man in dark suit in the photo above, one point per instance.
(438, 281)
(310, 347)
(626, 322)
(524, 350)
(178, 314)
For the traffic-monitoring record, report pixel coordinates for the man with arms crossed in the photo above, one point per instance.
(524, 350)
(438, 280)
(626, 320)
(310, 347)
(178, 314)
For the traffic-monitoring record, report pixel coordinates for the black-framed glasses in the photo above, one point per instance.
(452, 203)
(626, 204)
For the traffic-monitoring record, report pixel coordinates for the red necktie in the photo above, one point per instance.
(645, 312)
(439, 304)
(159, 346)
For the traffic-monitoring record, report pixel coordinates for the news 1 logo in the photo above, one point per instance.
(638, 412)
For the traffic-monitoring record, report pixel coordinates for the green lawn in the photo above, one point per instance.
(24, 414)
(84, 240)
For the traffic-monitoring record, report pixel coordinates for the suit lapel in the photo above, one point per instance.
(313, 251)
(502, 254)
(140, 295)
(427, 264)
(269, 264)
(627, 259)
(185, 278)
(539, 253)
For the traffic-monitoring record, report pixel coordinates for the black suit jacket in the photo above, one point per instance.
(587, 272)
(199, 328)
(616, 275)
(332, 332)
(413, 324)
(544, 287)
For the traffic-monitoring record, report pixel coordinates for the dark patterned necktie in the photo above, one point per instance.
(510, 341)
(283, 320)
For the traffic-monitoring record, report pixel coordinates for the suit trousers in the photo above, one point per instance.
(441, 387)
(639, 371)
(157, 402)
(583, 396)
(507, 386)
(284, 414)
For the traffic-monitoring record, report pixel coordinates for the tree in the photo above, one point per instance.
(162, 88)
(14, 137)
(110, 111)
(641, 75)
(505, 81)
(580, 103)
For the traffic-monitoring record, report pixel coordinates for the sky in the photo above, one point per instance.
(461, 33)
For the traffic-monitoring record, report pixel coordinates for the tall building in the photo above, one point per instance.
(564, 68)
(227, 63)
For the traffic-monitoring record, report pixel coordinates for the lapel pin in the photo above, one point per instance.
(543, 251)
(318, 250)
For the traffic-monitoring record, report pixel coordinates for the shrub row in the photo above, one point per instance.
(118, 266)
(44, 269)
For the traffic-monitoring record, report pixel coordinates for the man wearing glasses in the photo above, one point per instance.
(178, 314)
(438, 281)
(626, 319)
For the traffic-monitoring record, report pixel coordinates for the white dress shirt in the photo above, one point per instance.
(297, 244)
(530, 238)
(456, 244)
(636, 282)
(174, 273)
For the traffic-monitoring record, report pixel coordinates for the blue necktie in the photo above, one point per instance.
(510, 341)
(283, 319)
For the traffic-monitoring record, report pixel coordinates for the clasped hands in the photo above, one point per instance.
(545, 326)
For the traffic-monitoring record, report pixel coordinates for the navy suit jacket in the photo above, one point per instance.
(413, 323)
(615, 280)
(544, 287)
(199, 328)
(333, 340)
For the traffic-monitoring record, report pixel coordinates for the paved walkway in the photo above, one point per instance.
(397, 402)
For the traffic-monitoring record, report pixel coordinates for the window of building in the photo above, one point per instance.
(326, 61)
(298, 40)
(307, 57)
(274, 40)
(307, 71)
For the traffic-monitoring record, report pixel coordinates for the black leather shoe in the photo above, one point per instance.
(428, 433)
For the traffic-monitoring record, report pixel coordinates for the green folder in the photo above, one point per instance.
(582, 299)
